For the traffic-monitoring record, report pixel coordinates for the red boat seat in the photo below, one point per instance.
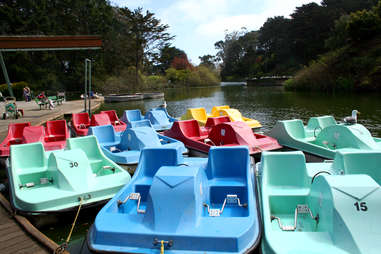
(34, 134)
(213, 121)
(56, 131)
(15, 131)
(237, 133)
(100, 119)
(118, 125)
(190, 129)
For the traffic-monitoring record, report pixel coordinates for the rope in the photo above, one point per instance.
(162, 247)
(64, 245)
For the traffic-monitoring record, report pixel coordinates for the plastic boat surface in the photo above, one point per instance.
(198, 114)
(321, 207)
(202, 116)
(53, 136)
(126, 149)
(221, 134)
(55, 181)
(323, 136)
(81, 122)
(132, 117)
(234, 116)
(160, 119)
(119, 126)
(182, 206)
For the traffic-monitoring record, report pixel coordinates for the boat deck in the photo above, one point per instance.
(13, 239)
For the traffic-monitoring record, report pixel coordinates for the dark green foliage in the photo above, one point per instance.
(284, 45)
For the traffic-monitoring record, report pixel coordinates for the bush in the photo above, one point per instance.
(155, 82)
(17, 88)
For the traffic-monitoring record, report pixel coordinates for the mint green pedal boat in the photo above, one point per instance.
(331, 207)
(323, 137)
(57, 181)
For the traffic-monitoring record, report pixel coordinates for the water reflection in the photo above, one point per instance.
(267, 104)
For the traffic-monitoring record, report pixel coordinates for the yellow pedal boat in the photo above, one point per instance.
(201, 115)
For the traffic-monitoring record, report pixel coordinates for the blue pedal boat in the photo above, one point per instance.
(126, 149)
(176, 205)
(158, 117)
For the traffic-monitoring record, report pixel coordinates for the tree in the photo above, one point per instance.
(181, 63)
(208, 61)
(147, 34)
(167, 55)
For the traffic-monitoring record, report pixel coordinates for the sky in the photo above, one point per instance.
(198, 24)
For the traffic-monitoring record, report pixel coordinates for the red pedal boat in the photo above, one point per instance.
(220, 132)
(81, 121)
(53, 136)
(118, 125)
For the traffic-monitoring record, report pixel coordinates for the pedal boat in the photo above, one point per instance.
(118, 125)
(53, 136)
(43, 182)
(221, 134)
(321, 207)
(81, 122)
(323, 136)
(126, 149)
(202, 116)
(234, 116)
(174, 205)
(160, 119)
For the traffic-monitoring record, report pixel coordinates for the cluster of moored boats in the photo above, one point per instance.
(175, 203)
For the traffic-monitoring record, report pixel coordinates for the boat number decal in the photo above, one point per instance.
(73, 164)
(361, 206)
(222, 132)
(336, 135)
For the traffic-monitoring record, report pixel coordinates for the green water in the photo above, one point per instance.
(266, 104)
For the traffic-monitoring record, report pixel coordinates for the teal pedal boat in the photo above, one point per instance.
(182, 205)
(328, 207)
(126, 149)
(55, 181)
(323, 136)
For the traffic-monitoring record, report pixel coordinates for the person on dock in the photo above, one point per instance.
(27, 94)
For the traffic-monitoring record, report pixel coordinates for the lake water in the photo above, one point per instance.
(266, 104)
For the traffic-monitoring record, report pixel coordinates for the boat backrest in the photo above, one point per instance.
(81, 118)
(138, 138)
(284, 169)
(112, 115)
(27, 156)
(216, 109)
(359, 162)
(198, 113)
(100, 119)
(133, 115)
(34, 134)
(213, 121)
(295, 128)
(190, 128)
(104, 133)
(57, 128)
(151, 159)
(141, 123)
(234, 133)
(15, 130)
(320, 122)
(88, 144)
(157, 117)
(227, 162)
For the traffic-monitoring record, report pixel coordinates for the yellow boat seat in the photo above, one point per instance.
(198, 114)
(234, 115)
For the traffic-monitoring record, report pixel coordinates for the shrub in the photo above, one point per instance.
(17, 88)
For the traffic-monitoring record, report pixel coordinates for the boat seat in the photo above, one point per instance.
(227, 182)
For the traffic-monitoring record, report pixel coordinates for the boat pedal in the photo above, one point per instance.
(27, 185)
(133, 196)
(45, 180)
(300, 209)
(231, 199)
(109, 167)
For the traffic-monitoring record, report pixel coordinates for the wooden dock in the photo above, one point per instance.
(13, 239)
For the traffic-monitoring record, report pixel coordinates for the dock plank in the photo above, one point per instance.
(13, 239)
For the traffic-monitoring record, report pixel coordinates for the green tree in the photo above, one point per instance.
(147, 34)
